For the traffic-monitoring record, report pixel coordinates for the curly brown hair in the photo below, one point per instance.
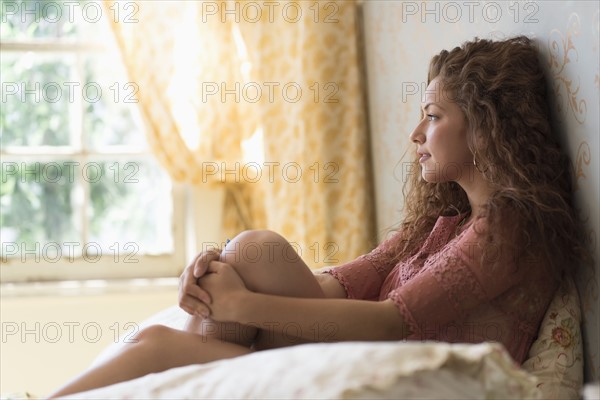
(501, 89)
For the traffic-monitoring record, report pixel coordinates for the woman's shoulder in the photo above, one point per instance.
(448, 227)
(452, 220)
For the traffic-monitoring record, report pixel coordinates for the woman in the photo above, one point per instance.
(488, 230)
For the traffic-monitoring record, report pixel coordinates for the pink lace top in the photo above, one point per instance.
(444, 292)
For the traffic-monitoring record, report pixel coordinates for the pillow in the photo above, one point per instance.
(556, 357)
(346, 370)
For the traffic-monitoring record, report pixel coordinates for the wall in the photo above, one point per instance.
(48, 339)
(400, 38)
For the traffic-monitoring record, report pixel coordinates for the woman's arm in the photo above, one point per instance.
(312, 319)
(330, 286)
(329, 320)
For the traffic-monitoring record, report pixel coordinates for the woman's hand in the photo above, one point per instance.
(226, 289)
(192, 298)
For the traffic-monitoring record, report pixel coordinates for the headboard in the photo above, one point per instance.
(400, 38)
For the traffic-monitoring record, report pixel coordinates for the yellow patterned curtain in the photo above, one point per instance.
(265, 98)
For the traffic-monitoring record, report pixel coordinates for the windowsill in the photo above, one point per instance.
(87, 287)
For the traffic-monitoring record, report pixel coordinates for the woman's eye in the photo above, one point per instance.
(431, 117)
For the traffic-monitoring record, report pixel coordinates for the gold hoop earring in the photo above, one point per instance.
(475, 164)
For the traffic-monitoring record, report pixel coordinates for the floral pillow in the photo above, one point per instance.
(556, 357)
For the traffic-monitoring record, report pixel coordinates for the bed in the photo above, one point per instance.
(383, 370)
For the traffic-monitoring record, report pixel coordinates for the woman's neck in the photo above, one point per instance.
(478, 191)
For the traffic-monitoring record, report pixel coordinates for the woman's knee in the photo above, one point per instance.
(268, 263)
(153, 334)
(258, 247)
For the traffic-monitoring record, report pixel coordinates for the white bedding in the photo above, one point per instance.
(338, 370)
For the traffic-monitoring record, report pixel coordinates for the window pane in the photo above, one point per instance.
(103, 201)
(130, 207)
(37, 99)
(112, 118)
(38, 204)
(42, 19)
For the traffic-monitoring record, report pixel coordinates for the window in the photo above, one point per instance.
(81, 197)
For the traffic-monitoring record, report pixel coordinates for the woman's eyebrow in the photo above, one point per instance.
(432, 103)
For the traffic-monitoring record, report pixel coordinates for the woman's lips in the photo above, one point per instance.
(424, 157)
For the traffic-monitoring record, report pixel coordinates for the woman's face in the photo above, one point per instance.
(441, 138)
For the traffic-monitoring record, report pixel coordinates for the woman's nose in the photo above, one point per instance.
(417, 135)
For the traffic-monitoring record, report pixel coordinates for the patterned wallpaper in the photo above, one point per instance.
(400, 38)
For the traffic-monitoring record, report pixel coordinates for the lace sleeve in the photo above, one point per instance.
(363, 277)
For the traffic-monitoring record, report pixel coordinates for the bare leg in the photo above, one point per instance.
(158, 348)
(267, 263)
